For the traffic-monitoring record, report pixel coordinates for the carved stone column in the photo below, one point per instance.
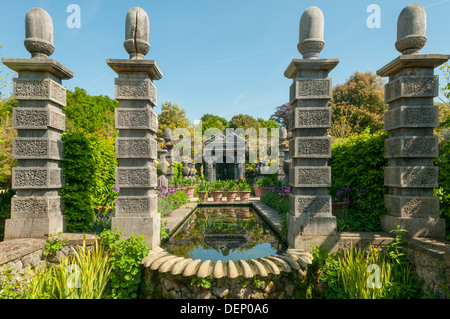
(136, 147)
(283, 149)
(37, 210)
(310, 216)
(411, 147)
(168, 142)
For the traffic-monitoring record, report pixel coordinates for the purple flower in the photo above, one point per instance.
(286, 191)
(348, 189)
(116, 189)
(346, 199)
(362, 191)
(280, 200)
(338, 194)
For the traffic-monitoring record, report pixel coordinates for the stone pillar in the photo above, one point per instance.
(282, 150)
(136, 147)
(169, 155)
(411, 147)
(37, 209)
(310, 214)
(162, 179)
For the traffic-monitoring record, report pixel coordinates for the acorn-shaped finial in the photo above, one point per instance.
(137, 29)
(39, 33)
(411, 29)
(311, 33)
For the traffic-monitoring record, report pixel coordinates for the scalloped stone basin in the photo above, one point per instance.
(200, 262)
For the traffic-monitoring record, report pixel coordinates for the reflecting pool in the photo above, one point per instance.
(223, 233)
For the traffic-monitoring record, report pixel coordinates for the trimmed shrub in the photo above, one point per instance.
(89, 164)
(358, 162)
(443, 192)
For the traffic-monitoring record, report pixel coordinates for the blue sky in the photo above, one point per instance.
(220, 57)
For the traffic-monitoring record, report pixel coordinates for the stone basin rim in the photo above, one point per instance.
(282, 262)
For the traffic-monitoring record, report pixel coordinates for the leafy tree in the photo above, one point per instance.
(245, 122)
(89, 114)
(268, 124)
(173, 117)
(360, 101)
(213, 121)
(281, 115)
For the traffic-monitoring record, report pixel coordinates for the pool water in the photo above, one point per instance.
(223, 233)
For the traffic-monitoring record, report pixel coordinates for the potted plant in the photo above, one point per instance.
(190, 187)
(203, 189)
(244, 191)
(264, 184)
(217, 190)
(231, 188)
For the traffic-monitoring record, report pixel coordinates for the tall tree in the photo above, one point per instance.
(173, 117)
(245, 122)
(281, 115)
(359, 103)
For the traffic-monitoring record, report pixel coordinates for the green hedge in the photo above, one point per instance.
(358, 162)
(89, 164)
(443, 192)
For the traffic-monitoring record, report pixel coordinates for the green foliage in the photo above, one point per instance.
(125, 260)
(53, 245)
(243, 185)
(5, 208)
(173, 117)
(84, 275)
(358, 162)
(177, 171)
(7, 161)
(213, 121)
(355, 275)
(10, 289)
(403, 284)
(363, 94)
(267, 181)
(204, 283)
(89, 114)
(245, 122)
(443, 192)
(89, 164)
(204, 186)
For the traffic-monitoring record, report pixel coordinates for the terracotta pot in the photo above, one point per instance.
(231, 196)
(262, 191)
(190, 191)
(256, 188)
(203, 196)
(102, 209)
(244, 195)
(217, 196)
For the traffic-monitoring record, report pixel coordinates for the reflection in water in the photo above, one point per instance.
(225, 233)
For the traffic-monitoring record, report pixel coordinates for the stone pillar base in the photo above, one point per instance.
(416, 227)
(34, 227)
(146, 226)
(300, 228)
(306, 241)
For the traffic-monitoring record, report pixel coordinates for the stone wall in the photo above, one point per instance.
(164, 285)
